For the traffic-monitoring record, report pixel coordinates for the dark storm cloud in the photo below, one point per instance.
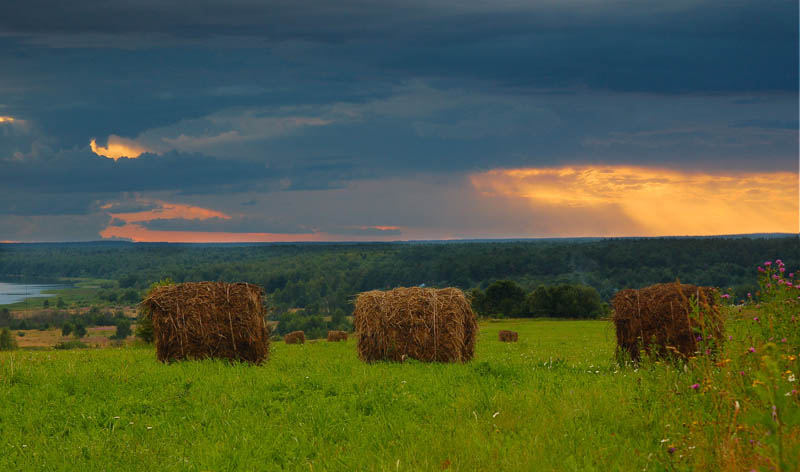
(640, 46)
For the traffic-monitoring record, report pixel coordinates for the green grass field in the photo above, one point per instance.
(556, 400)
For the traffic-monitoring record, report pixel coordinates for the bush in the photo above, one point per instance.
(144, 323)
(66, 329)
(71, 344)
(7, 341)
(567, 301)
(123, 329)
(79, 330)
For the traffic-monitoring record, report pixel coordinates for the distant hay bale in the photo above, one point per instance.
(336, 336)
(507, 336)
(295, 337)
(427, 324)
(199, 320)
(660, 318)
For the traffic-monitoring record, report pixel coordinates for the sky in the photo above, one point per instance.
(263, 121)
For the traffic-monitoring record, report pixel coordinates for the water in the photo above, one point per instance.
(13, 293)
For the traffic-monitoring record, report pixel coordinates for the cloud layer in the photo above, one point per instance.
(267, 112)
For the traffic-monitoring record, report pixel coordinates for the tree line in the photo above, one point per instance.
(312, 280)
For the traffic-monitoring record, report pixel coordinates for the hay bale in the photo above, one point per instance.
(426, 324)
(660, 318)
(295, 337)
(336, 336)
(199, 320)
(507, 336)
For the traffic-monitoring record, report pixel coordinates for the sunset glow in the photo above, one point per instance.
(7, 119)
(658, 201)
(168, 211)
(118, 147)
(138, 233)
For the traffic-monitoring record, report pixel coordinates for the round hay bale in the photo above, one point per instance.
(427, 324)
(336, 336)
(507, 336)
(659, 320)
(295, 337)
(199, 320)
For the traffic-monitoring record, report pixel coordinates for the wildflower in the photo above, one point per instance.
(695, 386)
(671, 449)
(741, 372)
(775, 277)
(767, 264)
(782, 269)
(791, 275)
(779, 262)
(699, 338)
(783, 340)
(749, 295)
(752, 349)
(760, 269)
(791, 378)
(755, 318)
(726, 296)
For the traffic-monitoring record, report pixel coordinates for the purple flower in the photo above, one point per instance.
(755, 318)
(699, 338)
(760, 269)
(768, 263)
(725, 296)
(695, 386)
(782, 269)
(791, 274)
(741, 372)
(752, 349)
(775, 277)
(749, 295)
(671, 449)
(779, 262)
(783, 340)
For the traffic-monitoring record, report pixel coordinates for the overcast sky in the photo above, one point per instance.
(392, 120)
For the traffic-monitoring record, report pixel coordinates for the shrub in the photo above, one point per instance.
(71, 344)
(7, 341)
(123, 329)
(144, 323)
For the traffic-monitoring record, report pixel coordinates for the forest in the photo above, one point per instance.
(539, 277)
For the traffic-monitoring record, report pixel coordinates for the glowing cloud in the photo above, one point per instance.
(658, 202)
(167, 211)
(7, 119)
(138, 233)
(118, 147)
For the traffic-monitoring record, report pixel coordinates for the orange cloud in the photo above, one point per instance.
(118, 147)
(167, 211)
(658, 202)
(7, 119)
(138, 233)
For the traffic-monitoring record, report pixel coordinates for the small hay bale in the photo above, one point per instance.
(507, 336)
(199, 320)
(295, 337)
(427, 324)
(336, 336)
(659, 320)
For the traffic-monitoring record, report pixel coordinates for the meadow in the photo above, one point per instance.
(556, 400)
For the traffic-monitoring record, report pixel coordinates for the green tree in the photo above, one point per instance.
(66, 329)
(79, 330)
(505, 298)
(7, 341)
(123, 329)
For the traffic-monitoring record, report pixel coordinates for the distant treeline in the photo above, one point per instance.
(324, 278)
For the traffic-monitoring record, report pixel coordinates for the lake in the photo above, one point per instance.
(13, 292)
